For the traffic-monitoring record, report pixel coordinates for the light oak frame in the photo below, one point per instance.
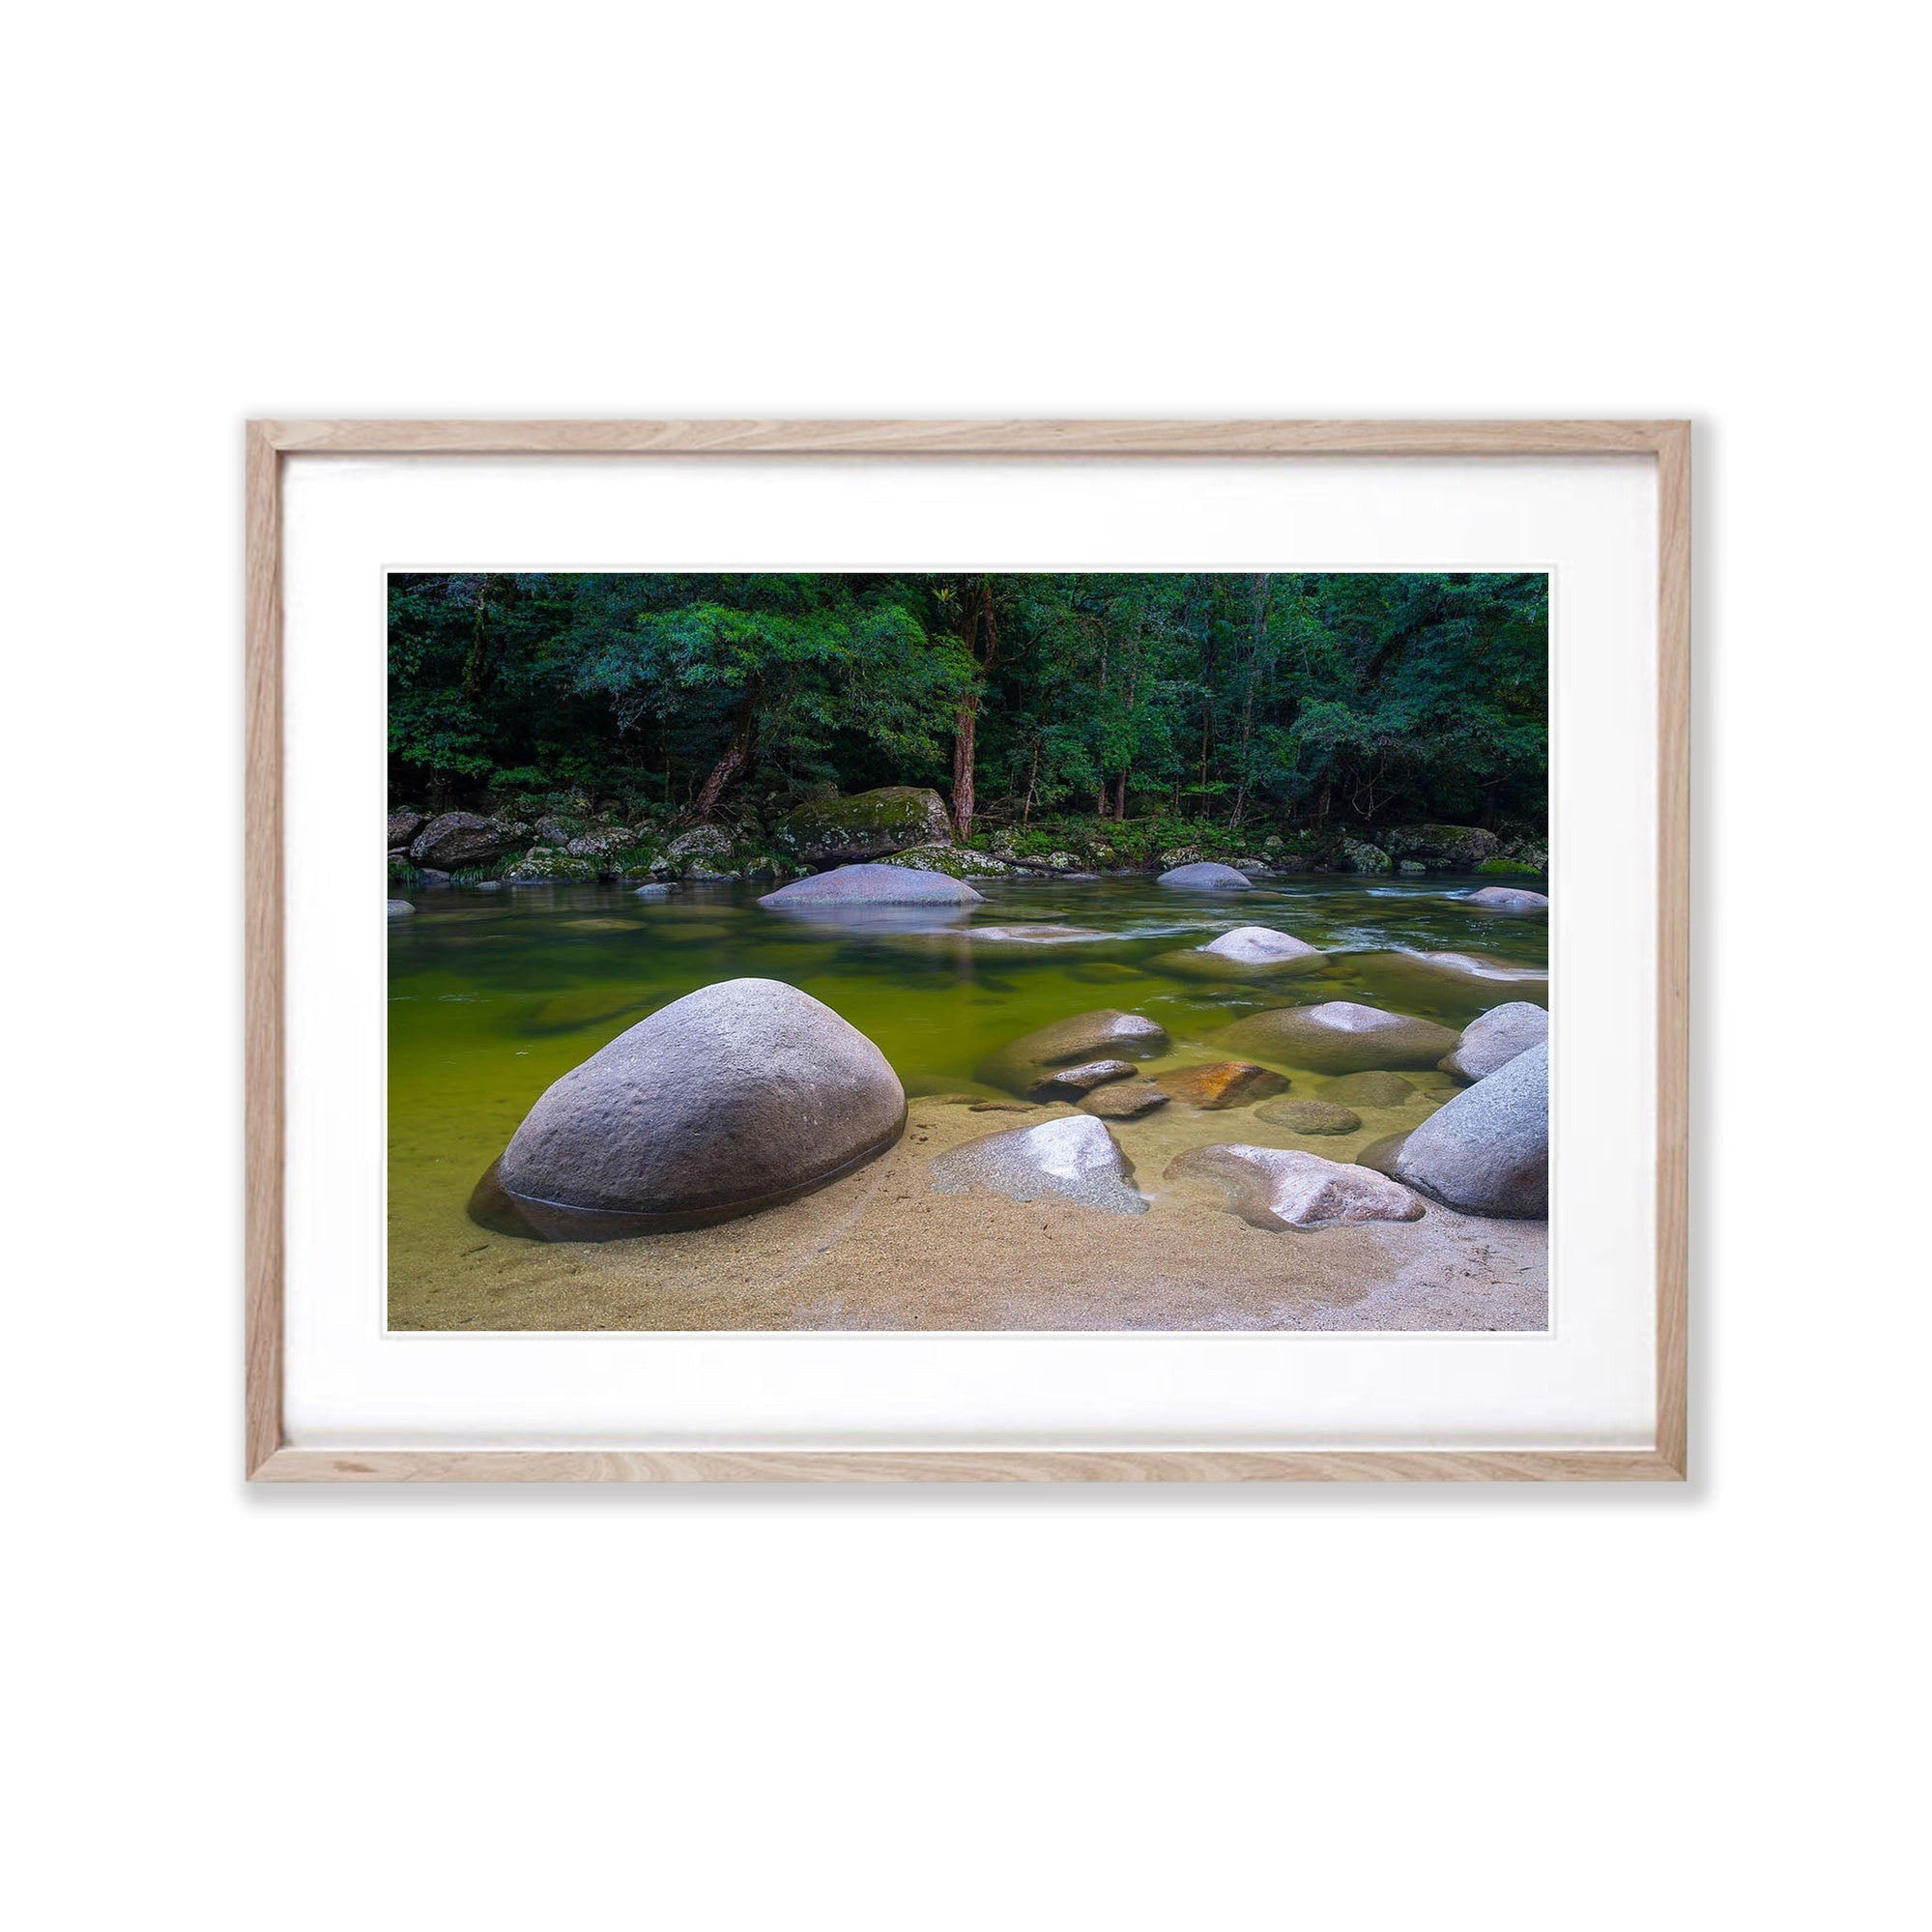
(270, 1458)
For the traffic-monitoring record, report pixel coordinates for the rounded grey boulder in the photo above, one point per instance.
(1509, 899)
(1487, 1150)
(736, 1097)
(1074, 1158)
(1495, 1038)
(1206, 877)
(1247, 952)
(873, 885)
(1340, 1037)
(401, 908)
(457, 839)
(1279, 1188)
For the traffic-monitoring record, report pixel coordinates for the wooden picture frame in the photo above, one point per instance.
(269, 1458)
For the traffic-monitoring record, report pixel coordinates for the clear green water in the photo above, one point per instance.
(494, 993)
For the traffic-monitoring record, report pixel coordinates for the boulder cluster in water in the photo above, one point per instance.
(750, 1093)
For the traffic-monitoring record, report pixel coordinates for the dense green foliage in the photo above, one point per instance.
(1315, 699)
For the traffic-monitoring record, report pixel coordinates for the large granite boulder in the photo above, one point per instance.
(1279, 1188)
(1487, 1150)
(403, 827)
(1072, 1158)
(456, 840)
(873, 885)
(1107, 1033)
(1493, 1039)
(1340, 1037)
(736, 1097)
(835, 830)
(1247, 952)
(1508, 899)
(1439, 847)
(1206, 877)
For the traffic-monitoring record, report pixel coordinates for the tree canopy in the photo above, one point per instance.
(1316, 698)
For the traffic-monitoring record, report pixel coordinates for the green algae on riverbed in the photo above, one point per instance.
(494, 996)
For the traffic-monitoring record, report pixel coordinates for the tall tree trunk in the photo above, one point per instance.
(977, 627)
(1121, 797)
(1264, 596)
(731, 761)
(965, 736)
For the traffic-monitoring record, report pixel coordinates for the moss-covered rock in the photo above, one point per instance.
(1440, 848)
(955, 861)
(840, 830)
(1354, 856)
(543, 865)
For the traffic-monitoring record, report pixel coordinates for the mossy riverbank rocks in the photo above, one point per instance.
(873, 885)
(1283, 1188)
(956, 861)
(838, 829)
(457, 840)
(736, 1097)
(1204, 876)
(1495, 1038)
(1487, 1150)
(1340, 1037)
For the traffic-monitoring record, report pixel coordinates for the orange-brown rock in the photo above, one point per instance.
(1220, 1083)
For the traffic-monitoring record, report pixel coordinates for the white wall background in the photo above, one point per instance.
(912, 1709)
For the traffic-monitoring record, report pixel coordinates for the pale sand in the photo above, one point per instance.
(881, 1250)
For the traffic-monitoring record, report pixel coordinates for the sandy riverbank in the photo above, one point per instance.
(883, 1250)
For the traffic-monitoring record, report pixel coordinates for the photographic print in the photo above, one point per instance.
(969, 951)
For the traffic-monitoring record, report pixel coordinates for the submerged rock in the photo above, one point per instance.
(1310, 1116)
(401, 908)
(1104, 1034)
(1247, 952)
(868, 825)
(1279, 1188)
(1477, 977)
(1074, 1158)
(1509, 899)
(1340, 1037)
(1203, 875)
(873, 885)
(1487, 1150)
(1071, 1082)
(656, 889)
(1220, 1083)
(1369, 1090)
(1495, 1038)
(736, 1097)
(1123, 1099)
(566, 1012)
